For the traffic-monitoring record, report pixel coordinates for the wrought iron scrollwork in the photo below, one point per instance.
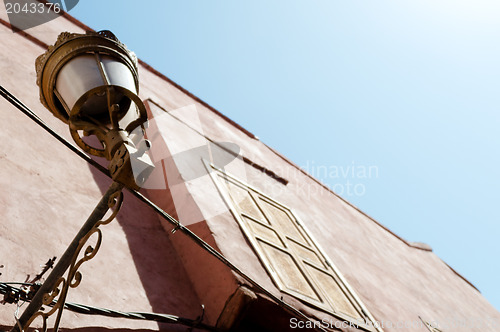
(57, 296)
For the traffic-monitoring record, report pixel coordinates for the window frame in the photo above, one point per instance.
(429, 326)
(324, 303)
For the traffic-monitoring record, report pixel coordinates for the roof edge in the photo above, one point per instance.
(461, 276)
(162, 76)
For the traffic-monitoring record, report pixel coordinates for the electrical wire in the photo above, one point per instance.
(33, 116)
(177, 225)
(91, 310)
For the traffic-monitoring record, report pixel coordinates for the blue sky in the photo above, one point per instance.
(409, 87)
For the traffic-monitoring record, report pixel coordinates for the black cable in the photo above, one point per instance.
(177, 225)
(23, 108)
(91, 310)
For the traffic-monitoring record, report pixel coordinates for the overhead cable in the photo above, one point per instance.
(6, 288)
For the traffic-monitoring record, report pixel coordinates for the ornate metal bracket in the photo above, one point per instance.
(57, 292)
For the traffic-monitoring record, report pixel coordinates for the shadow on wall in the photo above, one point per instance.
(161, 272)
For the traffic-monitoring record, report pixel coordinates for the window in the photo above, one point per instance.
(291, 257)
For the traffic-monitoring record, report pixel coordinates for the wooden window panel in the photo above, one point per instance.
(282, 220)
(288, 271)
(333, 291)
(243, 200)
(289, 254)
(306, 254)
(263, 231)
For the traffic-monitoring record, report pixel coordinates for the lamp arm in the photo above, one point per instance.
(57, 286)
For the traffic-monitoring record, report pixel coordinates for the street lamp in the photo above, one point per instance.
(90, 81)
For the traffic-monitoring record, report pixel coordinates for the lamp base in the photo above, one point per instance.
(130, 166)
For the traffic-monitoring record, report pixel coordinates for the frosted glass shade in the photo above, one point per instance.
(82, 74)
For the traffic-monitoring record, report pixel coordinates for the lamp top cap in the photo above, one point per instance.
(69, 45)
